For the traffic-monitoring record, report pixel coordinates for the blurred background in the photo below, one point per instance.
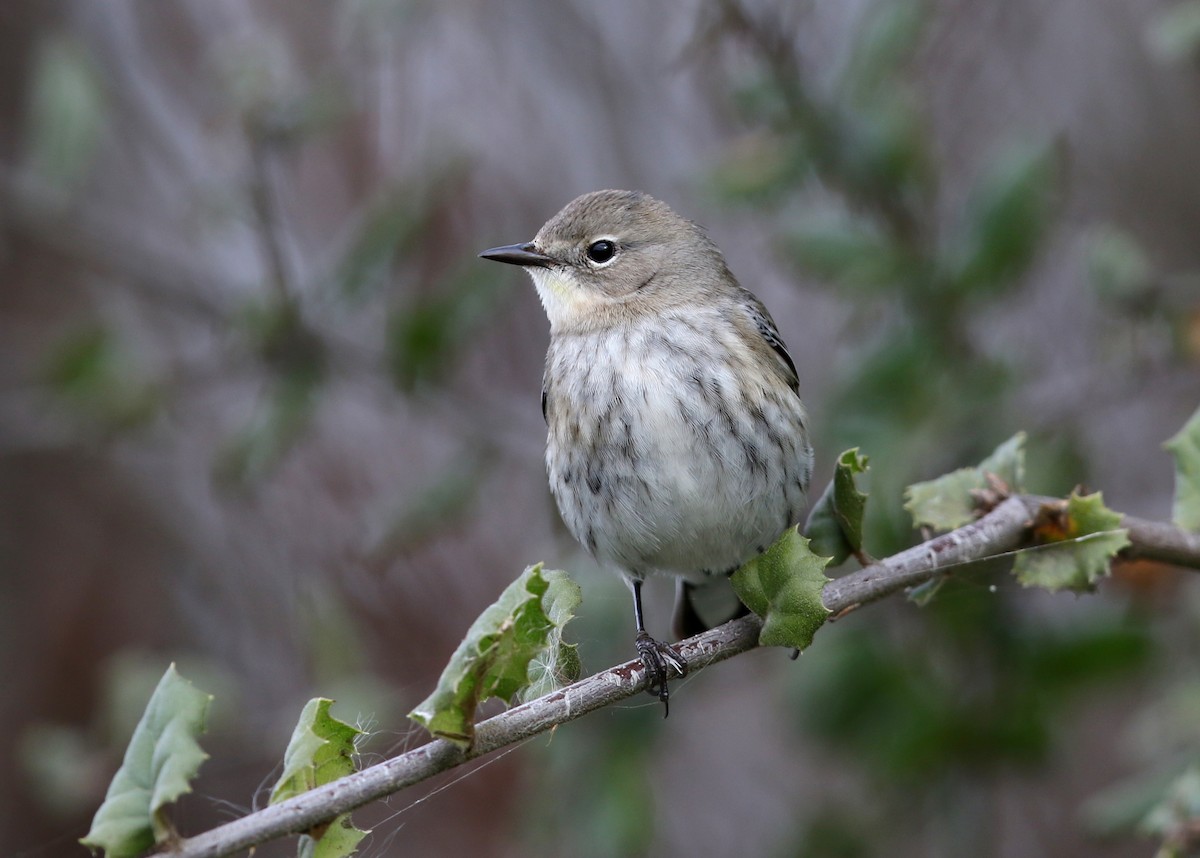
(263, 412)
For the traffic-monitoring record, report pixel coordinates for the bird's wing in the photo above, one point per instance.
(765, 326)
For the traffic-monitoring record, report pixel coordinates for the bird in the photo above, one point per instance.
(677, 442)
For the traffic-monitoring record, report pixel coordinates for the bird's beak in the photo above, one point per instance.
(519, 254)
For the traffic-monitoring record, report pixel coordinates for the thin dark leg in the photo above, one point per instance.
(656, 656)
(637, 608)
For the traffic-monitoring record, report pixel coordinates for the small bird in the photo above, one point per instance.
(676, 438)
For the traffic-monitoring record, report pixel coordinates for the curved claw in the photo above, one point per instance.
(658, 657)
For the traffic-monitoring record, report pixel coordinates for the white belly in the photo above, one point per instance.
(666, 468)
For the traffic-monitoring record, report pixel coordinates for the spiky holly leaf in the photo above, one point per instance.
(338, 840)
(515, 644)
(834, 526)
(1085, 537)
(160, 762)
(1185, 447)
(949, 501)
(558, 663)
(783, 586)
(321, 750)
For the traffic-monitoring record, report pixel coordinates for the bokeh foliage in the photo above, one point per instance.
(847, 166)
(929, 707)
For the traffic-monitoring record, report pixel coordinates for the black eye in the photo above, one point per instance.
(601, 251)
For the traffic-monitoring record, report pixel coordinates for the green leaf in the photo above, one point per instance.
(848, 502)
(1005, 221)
(393, 227)
(1173, 34)
(431, 509)
(1008, 462)
(66, 113)
(847, 251)
(91, 373)
(834, 526)
(1185, 447)
(160, 762)
(297, 358)
(947, 502)
(884, 153)
(515, 646)
(401, 222)
(82, 363)
(321, 750)
(424, 336)
(50, 758)
(759, 168)
(1119, 269)
(783, 586)
(280, 422)
(1084, 540)
(886, 43)
(338, 840)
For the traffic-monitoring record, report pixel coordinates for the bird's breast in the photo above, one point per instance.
(672, 447)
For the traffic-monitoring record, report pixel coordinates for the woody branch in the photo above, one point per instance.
(1004, 529)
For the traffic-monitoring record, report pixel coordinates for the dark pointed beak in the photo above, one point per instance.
(519, 254)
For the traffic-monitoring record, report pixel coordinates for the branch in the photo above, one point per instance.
(1165, 543)
(97, 237)
(264, 198)
(1003, 529)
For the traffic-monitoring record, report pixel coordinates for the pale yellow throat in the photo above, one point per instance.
(565, 301)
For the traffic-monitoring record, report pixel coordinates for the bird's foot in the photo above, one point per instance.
(659, 659)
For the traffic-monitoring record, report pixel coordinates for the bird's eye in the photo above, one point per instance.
(601, 251)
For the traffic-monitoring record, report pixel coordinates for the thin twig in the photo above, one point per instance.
(1004, 529)
(263, 196)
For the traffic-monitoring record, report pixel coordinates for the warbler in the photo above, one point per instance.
(677, 441)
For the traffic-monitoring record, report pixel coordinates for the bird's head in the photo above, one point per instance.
(613, 255)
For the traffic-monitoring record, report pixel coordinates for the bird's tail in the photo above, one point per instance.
(700, 607)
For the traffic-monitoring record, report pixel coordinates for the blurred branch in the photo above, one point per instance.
(264, 197)
(1000, 531)
(98, 237)
(819, 121)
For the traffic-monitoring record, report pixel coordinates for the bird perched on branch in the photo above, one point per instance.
(677, 441)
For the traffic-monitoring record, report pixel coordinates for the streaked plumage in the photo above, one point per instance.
(677, 440)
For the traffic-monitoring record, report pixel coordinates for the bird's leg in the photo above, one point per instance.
(656, 656)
